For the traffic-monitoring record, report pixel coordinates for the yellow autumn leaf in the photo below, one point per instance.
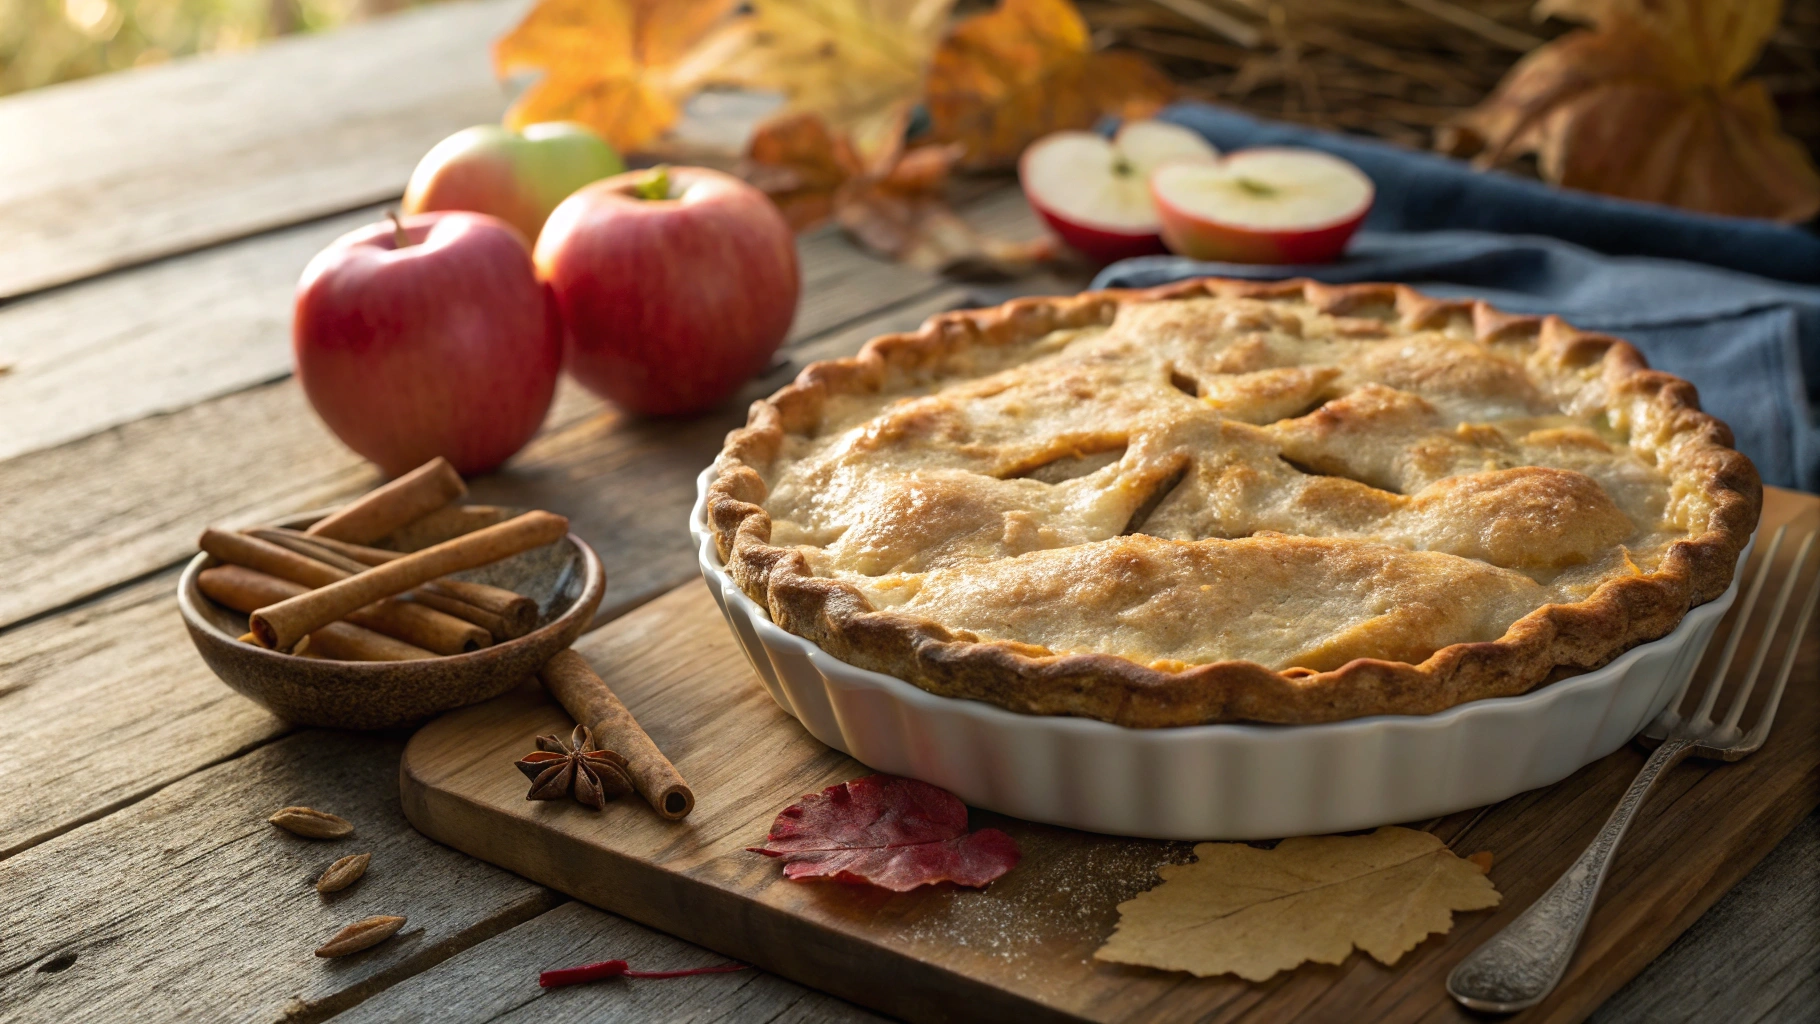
(1648, 104)
(856, 64)
(1251, 912)
(1007, 77)
(622, 67)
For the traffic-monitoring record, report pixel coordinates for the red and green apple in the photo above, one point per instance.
(518, 177)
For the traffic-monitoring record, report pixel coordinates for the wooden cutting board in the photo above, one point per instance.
(1022, 948)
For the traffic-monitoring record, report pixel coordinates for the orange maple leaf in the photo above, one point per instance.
(1648, 104)
(1004, 78)
(623, 67)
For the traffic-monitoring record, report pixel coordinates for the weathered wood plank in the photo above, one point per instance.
(188, 905)
(158, 338)
(121, 668)
(1754, 958)
(114, 170)
(497, 981)
(117, 505)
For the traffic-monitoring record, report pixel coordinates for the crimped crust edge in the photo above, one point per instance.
(1555, 638)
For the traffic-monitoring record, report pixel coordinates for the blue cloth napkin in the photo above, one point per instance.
(1749, 343)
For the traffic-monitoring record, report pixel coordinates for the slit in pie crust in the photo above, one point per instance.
(1227, 501)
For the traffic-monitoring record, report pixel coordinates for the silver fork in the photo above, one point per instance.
(1520, 965)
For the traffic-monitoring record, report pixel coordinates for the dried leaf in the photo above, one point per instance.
(800, 164)
(858, 64)
(1003, 79)
(897, 210)
(311, 823)
(890, 832)
(1250, 912)
(361, 935)
(622, 67)
(1648, 105)
(920, 229)
(343, 873)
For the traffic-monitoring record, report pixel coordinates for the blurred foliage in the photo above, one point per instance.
(46, 41)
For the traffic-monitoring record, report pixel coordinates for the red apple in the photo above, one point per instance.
(1095, 192)
(671, 302)
(518, 177)
(1266, 205)
(428, 336)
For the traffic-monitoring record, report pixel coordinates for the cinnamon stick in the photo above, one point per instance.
(246, 590)
(414, 624)
(410, 497)
(315, 548)
(515, 611)
(446, 523)
(494, 624)
(588, 700)
(283, 624)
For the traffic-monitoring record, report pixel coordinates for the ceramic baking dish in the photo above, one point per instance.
(1212, 781)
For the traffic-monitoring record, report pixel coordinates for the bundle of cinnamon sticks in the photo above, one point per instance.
(326, 592)
(323, 592)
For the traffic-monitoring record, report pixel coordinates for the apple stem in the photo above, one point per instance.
(400, 239)
(657, 186)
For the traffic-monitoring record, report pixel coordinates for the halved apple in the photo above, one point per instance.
(1265, 205)
(1095, 192)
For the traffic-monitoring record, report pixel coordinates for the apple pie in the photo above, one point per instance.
(1222, 501)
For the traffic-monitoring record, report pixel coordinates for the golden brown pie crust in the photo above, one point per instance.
(1663, 424)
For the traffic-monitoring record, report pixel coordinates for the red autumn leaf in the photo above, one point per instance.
(890, 832)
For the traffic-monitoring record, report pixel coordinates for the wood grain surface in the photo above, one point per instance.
(122, 668)
(155, 339)
(497, 981)
(1770, 921)
(115, 170)
(1022, 947)
(190, 905)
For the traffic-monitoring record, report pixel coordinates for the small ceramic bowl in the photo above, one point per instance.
(566, 579)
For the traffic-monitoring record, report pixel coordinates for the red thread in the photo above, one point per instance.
(620, 969)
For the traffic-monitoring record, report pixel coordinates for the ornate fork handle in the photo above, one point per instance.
(1518, 966)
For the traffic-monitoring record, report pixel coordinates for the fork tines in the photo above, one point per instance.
(1725, 740)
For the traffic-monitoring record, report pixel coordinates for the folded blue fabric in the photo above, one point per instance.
(1751, 345)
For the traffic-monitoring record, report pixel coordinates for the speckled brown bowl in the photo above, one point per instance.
(565, 578)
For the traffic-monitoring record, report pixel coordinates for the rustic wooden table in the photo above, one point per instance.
(152, 225)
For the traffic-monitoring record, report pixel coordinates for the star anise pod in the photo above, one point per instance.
(591, 776)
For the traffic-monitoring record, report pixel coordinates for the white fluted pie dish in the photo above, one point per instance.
(1212, 781)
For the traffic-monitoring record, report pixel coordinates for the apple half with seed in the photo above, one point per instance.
(1265, 205)
(1095, 192)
